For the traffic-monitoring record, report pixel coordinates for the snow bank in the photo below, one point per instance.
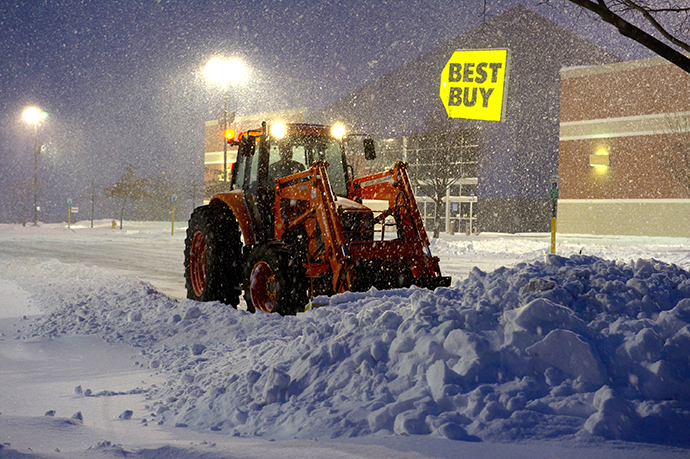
(557, 348)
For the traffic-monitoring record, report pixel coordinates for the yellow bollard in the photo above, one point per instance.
(172, 233)
(553, 235)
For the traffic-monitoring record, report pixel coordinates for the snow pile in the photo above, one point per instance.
(565, 347)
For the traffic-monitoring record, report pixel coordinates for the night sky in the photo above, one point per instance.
(122, 82)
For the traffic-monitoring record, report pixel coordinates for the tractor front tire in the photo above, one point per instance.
(275, 281)
(213, 255)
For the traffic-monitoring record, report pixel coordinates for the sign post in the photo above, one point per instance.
(69, 213)
(554, 204)
(173, 200)
(474, 84)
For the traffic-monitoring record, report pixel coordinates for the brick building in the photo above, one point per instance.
(624, 149)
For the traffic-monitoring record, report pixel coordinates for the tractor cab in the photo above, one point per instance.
(279, 150)
(285, 149)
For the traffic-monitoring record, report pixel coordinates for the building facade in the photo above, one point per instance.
(624, 146)
(517, 156)
(443, 169)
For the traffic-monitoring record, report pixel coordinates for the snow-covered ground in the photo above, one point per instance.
(527, 355)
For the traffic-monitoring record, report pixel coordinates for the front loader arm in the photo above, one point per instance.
(312, 187)
(394, 186)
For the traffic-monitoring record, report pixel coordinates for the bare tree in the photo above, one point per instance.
(129, 187)
(195, 189)
(212, 184)
(157, 205)
(669, 18)
(21, 191)
(443, 154)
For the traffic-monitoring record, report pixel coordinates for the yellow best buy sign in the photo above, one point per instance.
(474, 83)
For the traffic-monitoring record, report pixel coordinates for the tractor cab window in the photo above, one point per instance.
(328, 149)
(245, 172)
(252, 180)
(238, 172)
(285, 158)
(336, 169)
(295, 153)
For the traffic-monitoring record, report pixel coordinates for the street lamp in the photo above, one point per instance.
(33, 115)
(225, 72)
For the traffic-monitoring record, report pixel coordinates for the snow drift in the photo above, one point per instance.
(564, 347)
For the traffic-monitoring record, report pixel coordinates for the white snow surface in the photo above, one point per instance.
(582, 354)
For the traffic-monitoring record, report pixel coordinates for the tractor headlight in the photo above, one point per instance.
(338, 131)
(278, 130)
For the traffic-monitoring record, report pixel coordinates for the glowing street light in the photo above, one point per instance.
(225, 72)
(34, 115)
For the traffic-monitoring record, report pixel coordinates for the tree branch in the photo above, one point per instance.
(652, 20)
(629, 30)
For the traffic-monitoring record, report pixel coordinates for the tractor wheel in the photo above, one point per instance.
(275, 280)
(213, 255)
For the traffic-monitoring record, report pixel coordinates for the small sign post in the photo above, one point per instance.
(554, 203)
(173, 200)
(69, 213)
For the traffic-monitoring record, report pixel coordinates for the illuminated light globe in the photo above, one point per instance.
(278, 130)
(224, 71)
(229, 135)
(338, 131)
(33, 115)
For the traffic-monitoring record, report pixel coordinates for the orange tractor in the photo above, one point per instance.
(294, 225)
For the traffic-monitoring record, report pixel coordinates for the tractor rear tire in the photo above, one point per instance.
(213, 255)
(275, 280)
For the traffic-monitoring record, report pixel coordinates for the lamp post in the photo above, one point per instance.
(33, 115)
(224, 72)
